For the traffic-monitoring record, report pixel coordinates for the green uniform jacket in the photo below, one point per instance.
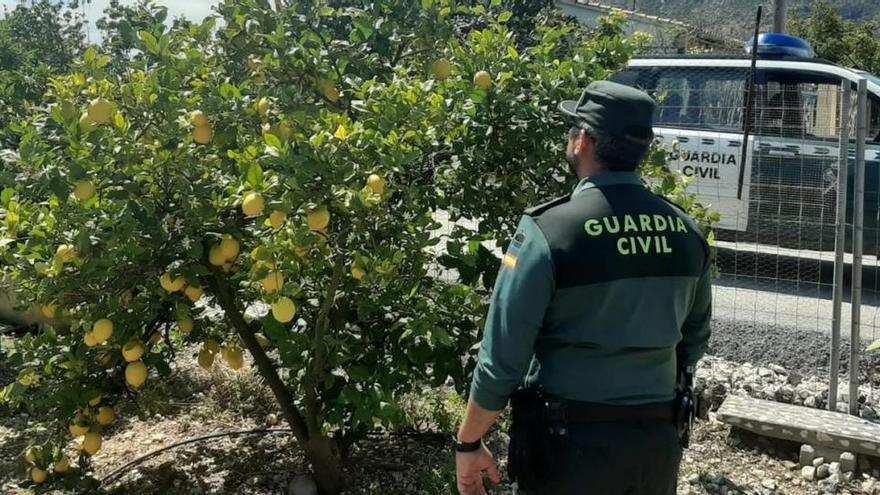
(601, 297)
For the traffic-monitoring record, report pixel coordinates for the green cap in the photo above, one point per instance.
(614, 109)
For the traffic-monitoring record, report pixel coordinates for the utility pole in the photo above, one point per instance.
(779, 13)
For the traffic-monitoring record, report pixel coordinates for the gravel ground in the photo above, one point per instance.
(805, 352)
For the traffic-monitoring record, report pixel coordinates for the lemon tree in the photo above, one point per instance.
(263, 191)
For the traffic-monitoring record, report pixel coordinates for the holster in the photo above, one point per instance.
(538, 420)
(686, 405)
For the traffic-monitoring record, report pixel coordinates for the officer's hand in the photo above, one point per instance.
(469, 467)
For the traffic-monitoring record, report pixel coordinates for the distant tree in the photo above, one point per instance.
(850, 43)
(38, 39)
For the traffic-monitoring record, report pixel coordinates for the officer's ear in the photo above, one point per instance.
(583, 143)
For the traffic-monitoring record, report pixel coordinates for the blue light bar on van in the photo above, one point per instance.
(781, 45)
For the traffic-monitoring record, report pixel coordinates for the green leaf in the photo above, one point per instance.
(254, 175)
(427, 4)
(504, 17)
(272, 140)
(874, 347)
(150, 41)
(7, 195)
(90, 55)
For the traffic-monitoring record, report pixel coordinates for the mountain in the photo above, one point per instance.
(736, 17)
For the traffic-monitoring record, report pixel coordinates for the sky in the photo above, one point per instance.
(195, 10)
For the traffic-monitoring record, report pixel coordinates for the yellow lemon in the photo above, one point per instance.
(262, 340)
(100, 110)
(441, 68)
(154, 339)
(206, 359)
(90, 339)
(30, 455)
(63, 464)
(328, 89)
(102, 330)
(229, 248)
(136, 374)
(91, 443)
(357, 273)
(203, 135)
(84, 190)
(86, 124)
(215, 256)
(284, 309)
(483, 80)
(49, 310)
(185, 325)
(263, 107)
(38, 475)
(78, 430)
(66, 253)
(277, 219)
(273, 282)
(133, 351)
(105, 416)
(199, 119)
(194, 293)
(233, 356)
(171, 284)
(376, 183)
(318, 219)
(212, 346)
(253, 205)
(94, 401)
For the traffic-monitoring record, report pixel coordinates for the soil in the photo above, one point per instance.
(194, 403)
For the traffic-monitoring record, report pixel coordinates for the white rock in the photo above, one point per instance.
(302, 485)
(808, 473)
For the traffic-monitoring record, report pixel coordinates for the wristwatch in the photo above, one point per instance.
(466, 447)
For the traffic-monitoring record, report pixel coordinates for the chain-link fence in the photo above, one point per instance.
(774, 299)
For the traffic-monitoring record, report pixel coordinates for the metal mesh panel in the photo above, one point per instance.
(776, 243)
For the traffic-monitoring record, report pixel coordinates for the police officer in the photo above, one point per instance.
(603, 298)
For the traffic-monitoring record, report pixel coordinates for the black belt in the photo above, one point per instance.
(559, 410)
(585, 412)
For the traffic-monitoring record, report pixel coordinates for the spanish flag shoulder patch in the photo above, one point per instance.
(509, 261)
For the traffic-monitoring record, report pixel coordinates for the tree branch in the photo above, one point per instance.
(226, 298)
(316, 367)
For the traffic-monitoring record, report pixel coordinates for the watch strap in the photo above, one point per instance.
(465, 447)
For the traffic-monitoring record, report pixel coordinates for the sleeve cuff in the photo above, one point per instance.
(485, 398)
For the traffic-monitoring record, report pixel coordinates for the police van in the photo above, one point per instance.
(789, 182)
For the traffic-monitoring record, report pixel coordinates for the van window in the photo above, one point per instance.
(797, 104)
(707, 98)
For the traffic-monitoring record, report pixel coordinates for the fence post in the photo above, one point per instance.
(839, 242)
(855, 340)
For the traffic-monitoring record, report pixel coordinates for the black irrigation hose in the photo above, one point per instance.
(120, 470)
(156, 452)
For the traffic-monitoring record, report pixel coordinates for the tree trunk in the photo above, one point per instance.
(320, 451)
(326, 467)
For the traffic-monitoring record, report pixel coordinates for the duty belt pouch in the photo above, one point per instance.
(529, 439)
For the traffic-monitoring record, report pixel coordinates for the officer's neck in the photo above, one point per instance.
(590, 168)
